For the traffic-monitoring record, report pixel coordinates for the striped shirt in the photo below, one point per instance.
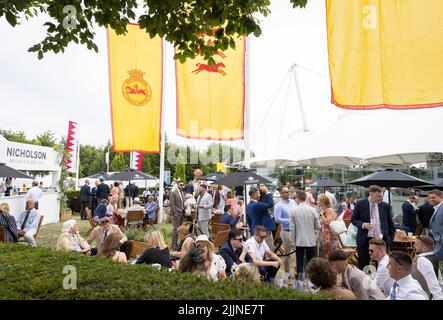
(10, 227)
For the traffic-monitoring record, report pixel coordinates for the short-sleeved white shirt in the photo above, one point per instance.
(259, 249)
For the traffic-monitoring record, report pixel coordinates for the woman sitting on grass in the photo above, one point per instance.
(157, 251)
(184, 244)
(247, 272)
(110, 248)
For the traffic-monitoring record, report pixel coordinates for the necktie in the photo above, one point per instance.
(374, 221)
(393, 293)
(25, 220)
(106, 234)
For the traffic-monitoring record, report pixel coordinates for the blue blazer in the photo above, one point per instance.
(257, 214)
(409, 215)
(362, 215)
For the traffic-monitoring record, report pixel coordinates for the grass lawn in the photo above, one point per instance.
(49, 233)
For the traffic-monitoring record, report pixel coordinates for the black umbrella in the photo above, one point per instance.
(131, 174)
(436, 184)
(325, 182)
(242, 177)
(389, 178)
(104, 175)
(214, 176)
(6, 171)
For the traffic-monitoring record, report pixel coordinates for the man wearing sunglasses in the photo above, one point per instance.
(267, 261)
(233, 250)
(404, 286)
(177, 205)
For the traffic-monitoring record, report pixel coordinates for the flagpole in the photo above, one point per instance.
(78, 163)
(247, 138)
(300, 102)
(162, 145)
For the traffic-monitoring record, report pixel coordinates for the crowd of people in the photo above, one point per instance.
(308, 226)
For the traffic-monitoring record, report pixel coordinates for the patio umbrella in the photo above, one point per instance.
(389, 178)
(242, 177)
(436, 184)
(214, 176)
(131, 174)
(104, 175)
(325, 182)
(6, 171)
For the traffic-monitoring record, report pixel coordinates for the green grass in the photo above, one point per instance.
(48, 234)
(37, 273)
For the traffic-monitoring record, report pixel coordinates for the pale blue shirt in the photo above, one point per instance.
(282, 212)
(31, 223)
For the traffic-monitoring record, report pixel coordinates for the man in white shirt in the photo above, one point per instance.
(267, 261)
(404, 286)
(377, 252)
(27, 223)
(34, 193)
(427, 265)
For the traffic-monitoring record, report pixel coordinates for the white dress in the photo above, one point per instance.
(218, 264)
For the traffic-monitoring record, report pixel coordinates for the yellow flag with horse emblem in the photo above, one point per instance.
(385, 53)
(211, 99)
(135, 87)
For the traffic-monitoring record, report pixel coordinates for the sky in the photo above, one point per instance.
(38, 95)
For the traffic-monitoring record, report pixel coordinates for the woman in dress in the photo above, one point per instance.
(215, 265)
(327, 215)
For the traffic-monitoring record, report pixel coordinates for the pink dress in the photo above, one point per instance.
(329, 241)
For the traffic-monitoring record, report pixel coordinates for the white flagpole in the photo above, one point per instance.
(247, 114)
(78, 162)
(162, 145)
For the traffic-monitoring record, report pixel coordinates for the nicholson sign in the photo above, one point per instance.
(30, 157)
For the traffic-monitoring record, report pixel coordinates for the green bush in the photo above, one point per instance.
(72, 194)
(37, 273)
(136, 234)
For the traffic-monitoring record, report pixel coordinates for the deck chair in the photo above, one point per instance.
(2, 234)
(278, 242)
(38, 229)
(221, 238)
(92, 222)
(151, 223)
(351, 251)
(217, 227)
(134, 218)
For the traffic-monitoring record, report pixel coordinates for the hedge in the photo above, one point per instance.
(37, 273)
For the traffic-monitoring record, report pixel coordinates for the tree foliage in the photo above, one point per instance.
(182, 23)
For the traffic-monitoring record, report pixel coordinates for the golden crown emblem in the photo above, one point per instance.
(136, 74)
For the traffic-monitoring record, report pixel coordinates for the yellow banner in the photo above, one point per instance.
(210, 99)
(385, 53)
(135, 85)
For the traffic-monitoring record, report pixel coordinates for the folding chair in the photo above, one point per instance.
(134, 218)
(278, 242)
(221, 238)
(2, 234)
(351, 251)
(218, 227)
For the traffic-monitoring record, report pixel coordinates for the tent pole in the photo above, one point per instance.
(162, 147)
(300, 102)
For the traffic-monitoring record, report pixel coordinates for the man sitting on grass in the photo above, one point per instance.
(71, 241)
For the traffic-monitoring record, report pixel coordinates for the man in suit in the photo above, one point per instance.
(303, 222)
(436, 222)
(353, 278)
(99, 234)
(27, 223)
(177, 206)
(257, 214)
(85, 199)
(215, 193)
(94, 201)
(425, 212)
(373, 219)
(409, 215)
(204, 206)
(102, 191)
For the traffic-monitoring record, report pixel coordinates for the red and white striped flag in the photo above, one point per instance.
(72, 147)
(136, 160)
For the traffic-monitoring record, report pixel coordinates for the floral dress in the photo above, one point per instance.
(329, 241)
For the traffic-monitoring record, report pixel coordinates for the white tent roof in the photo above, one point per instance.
(379, 137)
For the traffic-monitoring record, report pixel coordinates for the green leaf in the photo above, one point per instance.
(11, 18)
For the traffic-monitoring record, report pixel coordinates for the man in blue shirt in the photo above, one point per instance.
(282, 212)
(151, 209)
(230, 217)
(27, 223)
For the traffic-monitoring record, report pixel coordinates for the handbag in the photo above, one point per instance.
(337, 227)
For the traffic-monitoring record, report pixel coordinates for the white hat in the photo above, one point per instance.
(202, 237)
(136, 199)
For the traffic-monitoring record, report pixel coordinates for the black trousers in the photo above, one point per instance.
(84, 205)
(363, 254)
(311, 252)
(268, 272)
